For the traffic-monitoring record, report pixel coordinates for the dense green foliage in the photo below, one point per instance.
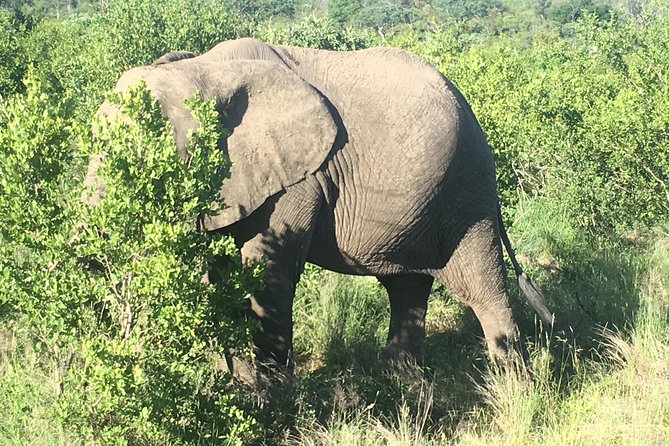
(585, 121)
(317, 32)
(108, 334)
(111, 296)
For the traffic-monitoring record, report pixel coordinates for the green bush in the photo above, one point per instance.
(264, 9)
(12, 58)
(164, 26)
(582, 122)
(83, 55)
(35, 142)
(69, 57)
(112, 295)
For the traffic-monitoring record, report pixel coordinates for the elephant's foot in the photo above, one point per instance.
(242, 370)
(399, 364)
(395, 353)
(408, 296)
(509, 354)
(254, 373)
(402, 360)
(501, 332)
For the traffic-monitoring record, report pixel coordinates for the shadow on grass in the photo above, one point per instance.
(588, 284)
(367, 383)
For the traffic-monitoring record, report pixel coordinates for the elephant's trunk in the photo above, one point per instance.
(529, 289)
(94, 186)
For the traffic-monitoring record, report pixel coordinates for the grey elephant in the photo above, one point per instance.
(368, 162)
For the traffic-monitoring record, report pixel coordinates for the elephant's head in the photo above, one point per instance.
(281, 127)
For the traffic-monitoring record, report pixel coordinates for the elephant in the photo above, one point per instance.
(367, 162)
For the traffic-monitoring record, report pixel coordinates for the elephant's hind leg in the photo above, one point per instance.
(408, 304)
(476, 275)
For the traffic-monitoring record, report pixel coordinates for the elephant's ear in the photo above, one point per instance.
(282, 131)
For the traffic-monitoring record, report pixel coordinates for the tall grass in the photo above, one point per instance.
(27, 398)
(609, 385)
(339, 319)
(620, 399)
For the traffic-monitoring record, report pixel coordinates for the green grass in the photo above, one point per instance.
(621, 398)
(27, 399)
(339, 319)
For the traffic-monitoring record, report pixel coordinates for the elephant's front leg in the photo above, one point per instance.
(284, 228)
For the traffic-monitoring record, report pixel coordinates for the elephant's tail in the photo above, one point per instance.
(528, 288)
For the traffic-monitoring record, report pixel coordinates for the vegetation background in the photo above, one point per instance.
(108, 335)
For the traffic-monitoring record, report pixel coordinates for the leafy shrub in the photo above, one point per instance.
(118, 308)
(377, 15)
(69, 57)
(35, 142)
(581, 122)
(164, 26)
(12, 63)
(163, 325)
(263, 9)
(83, 55)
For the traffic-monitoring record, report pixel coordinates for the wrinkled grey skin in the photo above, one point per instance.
(366, 162)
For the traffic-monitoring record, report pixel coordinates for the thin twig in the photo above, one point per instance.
(659, 180)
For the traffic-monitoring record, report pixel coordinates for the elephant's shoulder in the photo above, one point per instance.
(131, 77)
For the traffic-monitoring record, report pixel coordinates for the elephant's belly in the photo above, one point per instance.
(381, 214)
(362, 247)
